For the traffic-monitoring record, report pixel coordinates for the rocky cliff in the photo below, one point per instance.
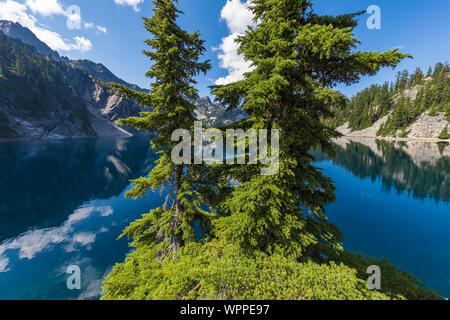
(214, 116)
(416, 106)
(426, 126)
(46, 96)
(15, 30)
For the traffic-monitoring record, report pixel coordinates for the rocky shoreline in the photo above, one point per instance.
(413, 139)
(426, 128)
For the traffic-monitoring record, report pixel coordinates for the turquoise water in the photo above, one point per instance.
(62, 204)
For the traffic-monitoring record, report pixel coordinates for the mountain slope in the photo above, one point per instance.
(100, 71)
(415, 106)
(16, 31)
(43, 98)
(214, 116)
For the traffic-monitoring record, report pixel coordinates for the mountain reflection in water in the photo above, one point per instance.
(62, 203)
(393, 202)
(422, 169)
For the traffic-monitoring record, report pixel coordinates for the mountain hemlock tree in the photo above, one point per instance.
(176, 55)
(298, 56)
(268, 237)
(444, 134)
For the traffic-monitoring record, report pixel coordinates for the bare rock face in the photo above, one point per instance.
(62, 100)
(368, 132)
(427, 126)
(112, 106)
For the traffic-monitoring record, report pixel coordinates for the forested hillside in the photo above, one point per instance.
(31, 85)
(43, 97)
(401, 102)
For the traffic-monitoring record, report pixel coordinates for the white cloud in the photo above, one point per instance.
(230, 60)
(98, 29)
(36, 241)
(102, 29)
(45, 7)
(81, 44)
(4, 264)
(132, 3)
(237, 17)
(17, 12)
(88, 25)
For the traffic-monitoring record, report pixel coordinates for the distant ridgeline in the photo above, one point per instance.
(399, 104)
(46, 96)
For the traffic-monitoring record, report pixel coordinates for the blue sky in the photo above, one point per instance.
(111, 32)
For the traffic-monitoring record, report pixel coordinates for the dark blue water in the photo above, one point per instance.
(62, 204)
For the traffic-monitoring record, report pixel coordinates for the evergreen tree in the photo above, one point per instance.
(298, 57)
(385, 99)
(438, 68)
(269, 237)
(434, 109)
(416, 78)
(175, 54)
(444, 134)
(433, 95)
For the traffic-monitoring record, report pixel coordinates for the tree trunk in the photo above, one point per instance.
(177, 239)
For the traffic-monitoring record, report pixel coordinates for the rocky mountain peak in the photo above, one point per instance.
(99, 70)
(17, 31)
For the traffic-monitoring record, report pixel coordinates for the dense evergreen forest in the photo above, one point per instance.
(402, 101)
(267, 236)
